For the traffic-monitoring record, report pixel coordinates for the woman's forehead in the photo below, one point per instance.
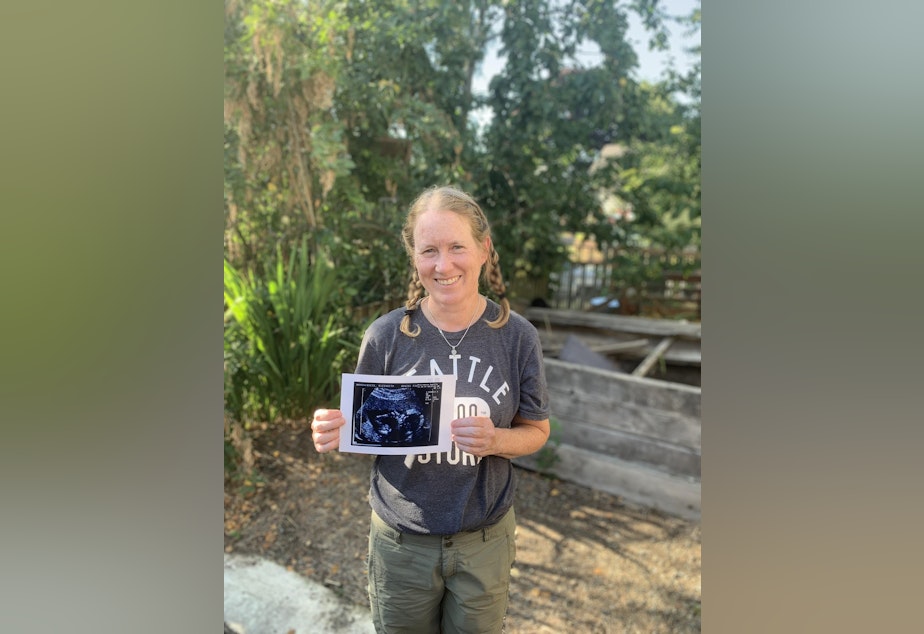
(443, 224)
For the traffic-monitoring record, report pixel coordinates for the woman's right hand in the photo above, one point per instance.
(325, 429)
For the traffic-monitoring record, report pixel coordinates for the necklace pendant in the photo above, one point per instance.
(453, 353)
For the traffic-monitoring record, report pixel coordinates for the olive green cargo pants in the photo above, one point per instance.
(458, 583)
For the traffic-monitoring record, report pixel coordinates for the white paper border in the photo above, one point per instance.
(446, 387)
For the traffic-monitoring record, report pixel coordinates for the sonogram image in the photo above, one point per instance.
(396, 415)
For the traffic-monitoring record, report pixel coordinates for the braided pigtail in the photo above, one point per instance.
(415, 292)
(495, 281)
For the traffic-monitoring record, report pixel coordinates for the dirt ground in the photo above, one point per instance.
(586, 562)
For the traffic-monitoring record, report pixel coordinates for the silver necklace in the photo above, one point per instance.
(453, 354)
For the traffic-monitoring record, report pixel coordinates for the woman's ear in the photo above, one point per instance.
(487, 249)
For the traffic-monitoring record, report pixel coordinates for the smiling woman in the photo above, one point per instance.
(440, 509)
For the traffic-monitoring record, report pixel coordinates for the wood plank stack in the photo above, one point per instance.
(626, 434)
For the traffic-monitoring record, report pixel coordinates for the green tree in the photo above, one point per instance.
(404, 100)
(337, 113)
(658, 177)
(551, 118)
(284, 148)
(406, 95)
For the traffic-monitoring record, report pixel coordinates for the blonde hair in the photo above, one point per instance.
(456, 201)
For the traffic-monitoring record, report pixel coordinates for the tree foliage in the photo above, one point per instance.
(338, 113)
(550, 118)
(284, 148)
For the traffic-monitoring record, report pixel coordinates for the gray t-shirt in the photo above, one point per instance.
(499, 373)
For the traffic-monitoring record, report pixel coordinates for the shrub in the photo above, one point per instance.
(287, 337)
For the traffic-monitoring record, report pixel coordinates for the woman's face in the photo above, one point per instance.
(447, 258)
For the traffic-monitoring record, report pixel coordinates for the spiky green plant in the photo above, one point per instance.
(288, 337)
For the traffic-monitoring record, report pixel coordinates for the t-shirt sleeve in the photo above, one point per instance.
(534, 393)
(371, 359)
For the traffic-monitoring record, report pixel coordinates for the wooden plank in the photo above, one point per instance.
(669, 427)
(667, 456)
(634, 482)
(648, 362)
(621, 323)
(661, 411)
(618, 346)
(600, 347)
(604, 387)
(683, 352)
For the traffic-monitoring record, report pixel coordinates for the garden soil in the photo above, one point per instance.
(586, 560)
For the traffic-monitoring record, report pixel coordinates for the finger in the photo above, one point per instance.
(468, 441)
(328, 445)
(470, 446)
(334, 442)
(327, 425)
(326, 432)
(326, 414)
(465, 425)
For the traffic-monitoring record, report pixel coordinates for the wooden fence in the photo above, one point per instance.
(629, 281)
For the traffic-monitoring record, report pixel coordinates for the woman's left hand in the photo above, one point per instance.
(475, 435)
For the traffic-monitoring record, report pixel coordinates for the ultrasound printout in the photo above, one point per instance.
(395, 415)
